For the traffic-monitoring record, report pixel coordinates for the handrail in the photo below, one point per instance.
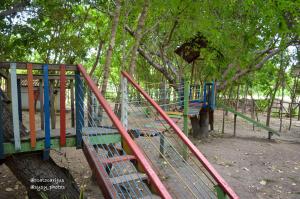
(221, 182)
(133, 146)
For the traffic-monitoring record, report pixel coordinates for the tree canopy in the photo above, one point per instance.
(245, 39)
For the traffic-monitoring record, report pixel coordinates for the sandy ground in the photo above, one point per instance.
(254, 166)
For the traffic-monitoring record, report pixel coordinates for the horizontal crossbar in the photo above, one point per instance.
(9, 147)
(37, 66)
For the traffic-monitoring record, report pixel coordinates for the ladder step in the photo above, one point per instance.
(128, 177)
(118, 159)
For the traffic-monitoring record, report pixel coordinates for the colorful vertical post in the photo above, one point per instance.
(79, 108)
(31, 106)
(62, 105)
(185, 117)
(46, 113)
(15, 106)
(19, 99)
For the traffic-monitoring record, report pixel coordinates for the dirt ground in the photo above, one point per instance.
(254, 166)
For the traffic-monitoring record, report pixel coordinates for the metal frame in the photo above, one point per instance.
(218, 178)
(79, 108)
(154, 179)
(101, 175)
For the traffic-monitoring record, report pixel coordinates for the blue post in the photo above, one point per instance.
(19, 99)
(46, 114)
(79, 108)
(213, 97)
(1, 129)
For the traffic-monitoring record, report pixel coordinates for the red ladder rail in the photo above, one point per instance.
(154, 179)
(218, 178)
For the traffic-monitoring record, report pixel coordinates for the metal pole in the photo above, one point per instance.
(185, 116)
(15, 106)
(79, 108)
(47, 114)
(124, 103)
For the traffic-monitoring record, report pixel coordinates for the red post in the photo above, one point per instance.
(62, 105)
(218, 178)
(31, 106)
(163, 192)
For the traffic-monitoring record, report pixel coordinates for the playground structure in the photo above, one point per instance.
(125, 164)
(203, 97)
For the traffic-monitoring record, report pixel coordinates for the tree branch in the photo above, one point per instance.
(157, 66)
(101, 42)
(138, 36)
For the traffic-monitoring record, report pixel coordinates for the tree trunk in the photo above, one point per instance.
(28, 166)
(271, 103)
(237, 98)
(138, 36)
(281, 101)
(229, 98)
(245, 99)
(101, 42)
(293, 96)
(111, 46)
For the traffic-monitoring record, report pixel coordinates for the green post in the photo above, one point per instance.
(185, 116)
(220, 193)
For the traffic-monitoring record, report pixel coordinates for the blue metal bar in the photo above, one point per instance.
(46, 113)
(19, 99)
(213, 97)
(79, 96)
(1, 129)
